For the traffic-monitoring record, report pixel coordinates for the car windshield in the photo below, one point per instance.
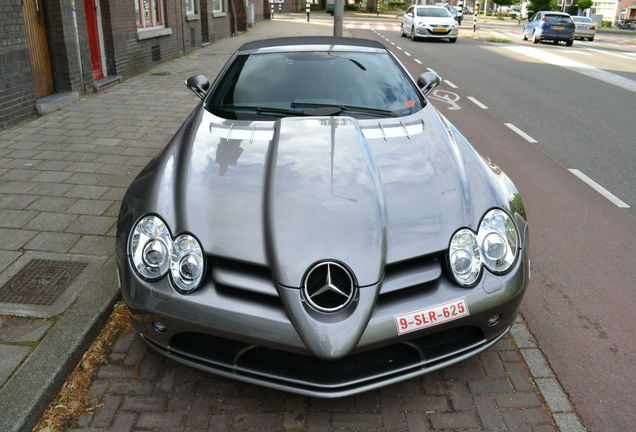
(362, 85)
(582, 19)
(558, 18)
(438, 12)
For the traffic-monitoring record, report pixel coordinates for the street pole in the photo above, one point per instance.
(308, 8)
(475, 13)
(271, 9)
(337, 18)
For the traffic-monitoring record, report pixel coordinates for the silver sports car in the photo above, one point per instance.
(317, 226)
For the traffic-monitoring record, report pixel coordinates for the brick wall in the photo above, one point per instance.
(17, 99)
(129, 55)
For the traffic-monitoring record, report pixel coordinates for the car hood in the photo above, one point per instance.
(289, 193)
(435, 20)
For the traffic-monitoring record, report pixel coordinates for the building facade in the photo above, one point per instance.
(52, 48)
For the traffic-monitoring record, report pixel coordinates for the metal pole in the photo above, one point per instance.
(308, 7)
(77, 46)
(280, 8)
(475, 13)
(271, 9)
(337, 18)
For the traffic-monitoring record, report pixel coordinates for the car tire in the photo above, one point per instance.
(535, 39)
(524, 36)
(413, 37)
(569, 43)
(402, 30)
(452, 40)
(591, 39)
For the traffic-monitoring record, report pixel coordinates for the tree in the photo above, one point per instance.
(539, 5)
(584, 4)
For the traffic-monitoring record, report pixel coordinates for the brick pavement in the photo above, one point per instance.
(142, 390)
(61, 179)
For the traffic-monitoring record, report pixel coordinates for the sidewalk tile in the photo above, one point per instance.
(13, 239)
(15, 218)
(55, 242)
(553, 394)
(89, 207)
(50, 221)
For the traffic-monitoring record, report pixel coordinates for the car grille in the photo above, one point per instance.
(236, 276)
(433, 32)
(307, 372)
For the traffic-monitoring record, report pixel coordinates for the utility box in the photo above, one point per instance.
(598, 20)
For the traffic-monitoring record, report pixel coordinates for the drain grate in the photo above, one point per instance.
(40, 282)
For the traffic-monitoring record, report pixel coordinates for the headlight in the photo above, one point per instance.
(498, 239)
(465, 257)
(150, 246)
(186, 263)
(495, 245)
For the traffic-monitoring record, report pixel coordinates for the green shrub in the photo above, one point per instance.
(352, 7)
(607, 24)
(398, 5)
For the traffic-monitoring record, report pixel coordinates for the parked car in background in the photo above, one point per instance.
(456, 13)
(322, 239)
(584, 28)
(550, 26)
(434, 22)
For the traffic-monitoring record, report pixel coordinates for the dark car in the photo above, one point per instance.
(317, 226)
(548, 25)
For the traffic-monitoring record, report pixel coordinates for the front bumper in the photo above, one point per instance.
(250, 338)
(429, 32)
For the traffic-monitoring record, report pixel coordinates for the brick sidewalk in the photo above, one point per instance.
(142, 390)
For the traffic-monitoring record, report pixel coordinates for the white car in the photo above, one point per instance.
(429, 22)
(584, 28)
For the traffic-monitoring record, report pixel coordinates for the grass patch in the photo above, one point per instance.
(497, 40)
(72, 401)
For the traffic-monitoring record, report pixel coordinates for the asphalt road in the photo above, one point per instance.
(580, 303)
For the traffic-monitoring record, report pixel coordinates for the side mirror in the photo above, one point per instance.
(428, 81)
(199, 84)
(410, 14)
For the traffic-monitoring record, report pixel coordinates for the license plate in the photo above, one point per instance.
(431, 316)
(440, 30)
(559, 27)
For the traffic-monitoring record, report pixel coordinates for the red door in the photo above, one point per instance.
(93, 38)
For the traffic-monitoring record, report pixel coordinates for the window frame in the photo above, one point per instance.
(157, 18)
(218, 11)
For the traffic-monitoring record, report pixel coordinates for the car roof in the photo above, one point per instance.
(555, 13)
(302, 42)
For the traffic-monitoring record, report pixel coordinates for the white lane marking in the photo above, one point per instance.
(600, 189)
(417, 61)
(381, 27)
(349, 26)
(448, 97)
(450, 84)
(431, 70)
(365, 27)
(573, 65)
(631, 54)
(399, 48)
(476, 102)
(498, 35)
(407, 53)
(521, 133)
(573, 51)
(609, 53)
(393, 43)
(396, 27)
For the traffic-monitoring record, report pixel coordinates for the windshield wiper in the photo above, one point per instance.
(360, 109)
(317, 111)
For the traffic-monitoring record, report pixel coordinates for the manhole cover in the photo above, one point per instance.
(40, 282)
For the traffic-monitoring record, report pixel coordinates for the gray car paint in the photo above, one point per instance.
(317, 189)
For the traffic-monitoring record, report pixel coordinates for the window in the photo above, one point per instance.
(149, 13)
(191, 7)
(217, 5)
